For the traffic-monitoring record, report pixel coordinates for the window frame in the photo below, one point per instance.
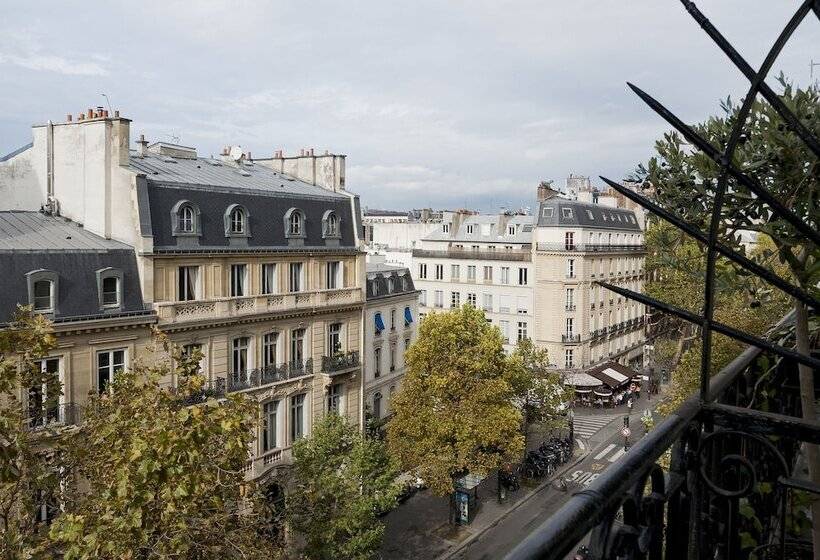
(266, 280)
(239, 286)
(41, 275)
(196, 223)
(229, 218)
(294, 216)
(330, 217)
(110, 366)
(102, 275)
(196, 285)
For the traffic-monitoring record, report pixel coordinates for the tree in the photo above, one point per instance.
(156, 474)
(773, 156)
(540, 389)
(26, 474)
(455, 413)
(341, 480)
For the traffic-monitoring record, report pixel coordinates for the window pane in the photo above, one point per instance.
(42, 294)
(110, 288)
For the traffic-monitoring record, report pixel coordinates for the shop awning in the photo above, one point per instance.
(613, 374)
(582, 380)
(379, 322)
(603, 392)
(582, 391)
(408, 316)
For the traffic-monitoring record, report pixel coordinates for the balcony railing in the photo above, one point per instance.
(571, 338)
(499, 255)
(570, 307)
(259, 377)
(590, 248)
(203, 310)
(53, 416)
(340, 362)
(261, 464)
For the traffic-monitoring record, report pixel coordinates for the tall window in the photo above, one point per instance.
(488, 274)
(439, 301)
(455, 271)
(470, 228)
(334, 338)
(43, 296)
(334, 275)
(239, 354)
(423, 297)
(511, 230)
(439, 272)
(377, 405)
(238, 278)
(568, 363)
(470, 272)
(295, 223)
(297, 417)
(377, 362)
(334, 398)
(295, 277)
(269, 424)
(392, 319)
(569, 241)
(392, 356)
(487, 302)
(569, 327)
(505, 274)
(185, 219)
(269, 283)
(570, 298)
(522, 330)
(570, 268)
(297, 346)
(191, 349)
(332, 225)
(471, 299)
(43, 406)
(188, 283)
(422, 271)
(110, 291)
(522, 276)
(505, 330)
(455, 299)
(109, 362)
(269, 349)
(237, 220)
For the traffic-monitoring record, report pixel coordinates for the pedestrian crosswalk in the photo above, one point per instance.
(588, 425)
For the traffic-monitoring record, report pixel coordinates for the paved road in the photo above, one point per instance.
(605, 449)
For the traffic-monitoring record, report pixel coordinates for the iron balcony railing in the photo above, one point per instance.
(591, 248)
(499, 255)
(259, 377)
(340, 362)
(53, 415)
(571, 338)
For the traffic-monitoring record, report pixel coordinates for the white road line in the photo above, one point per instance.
(606, 450)
(617, 455)
(581, 444)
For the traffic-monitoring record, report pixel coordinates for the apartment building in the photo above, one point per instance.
(534, 275)
(390, 322)
(255, 262)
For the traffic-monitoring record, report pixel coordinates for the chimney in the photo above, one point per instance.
(545, 191)
(143, 146)
(68, 117)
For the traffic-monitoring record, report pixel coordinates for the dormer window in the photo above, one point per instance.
(547, 212)
(470, 228)
(566, 213)
(295, 223)
(42, 290)
(390, 286)
(511, 230)
(185, 219)
(330, 225)
(109, 288)
(237, 221)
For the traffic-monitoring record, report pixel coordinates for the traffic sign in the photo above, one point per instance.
(626, 432)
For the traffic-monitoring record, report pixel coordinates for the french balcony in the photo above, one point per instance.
(570, 307)
(260, 377)
(518, 255)
(571, 338)
(342, 362)
(220, 308)
(53, 416)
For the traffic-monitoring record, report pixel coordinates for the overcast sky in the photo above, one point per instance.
(436, 103)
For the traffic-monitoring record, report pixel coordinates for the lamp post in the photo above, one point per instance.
(626, 432)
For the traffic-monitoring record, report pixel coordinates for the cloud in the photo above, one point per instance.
(23, 48)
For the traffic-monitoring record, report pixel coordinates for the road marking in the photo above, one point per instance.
(581, 444)
(583, 477)
(606, 450)
(617, 455)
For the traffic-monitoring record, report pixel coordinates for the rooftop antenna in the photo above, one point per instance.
(174, 138)
(108, 102)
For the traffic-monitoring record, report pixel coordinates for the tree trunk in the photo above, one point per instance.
(809, 413)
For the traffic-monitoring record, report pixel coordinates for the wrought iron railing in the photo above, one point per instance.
(53, 415)
(591, 248)
(340, 362)
(498, 255)
(571, 338)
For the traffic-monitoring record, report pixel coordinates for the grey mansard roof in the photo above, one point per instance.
(31, 241)
(523, 230)
(377, 281)
(553, 212)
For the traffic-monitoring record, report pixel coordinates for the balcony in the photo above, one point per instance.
(570, 307)
(571, 338)
(519, 255)
(261, 464)
(341, 362)
(53, 416)
(220, 308)
(590, 248)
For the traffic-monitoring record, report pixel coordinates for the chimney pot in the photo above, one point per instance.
(105, 113)
(249, 155)
(117, 114)
(91, 113)
(68, 117)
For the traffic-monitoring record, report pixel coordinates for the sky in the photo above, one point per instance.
(443, 104)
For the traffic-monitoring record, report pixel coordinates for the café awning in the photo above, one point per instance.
(582, 380)
(613, 374)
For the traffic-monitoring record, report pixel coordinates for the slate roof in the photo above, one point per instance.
(523, 232)
(19, 150)
(559, 212)
(36, 232)
(377, 284)
(221, 175)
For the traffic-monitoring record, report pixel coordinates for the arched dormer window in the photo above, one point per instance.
(42, 290)
(185, 219)
(330, 225)
(295, 223)
(237, 221)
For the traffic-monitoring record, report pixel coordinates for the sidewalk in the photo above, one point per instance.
(419, 529)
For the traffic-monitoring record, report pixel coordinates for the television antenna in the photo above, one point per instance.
(108, 102)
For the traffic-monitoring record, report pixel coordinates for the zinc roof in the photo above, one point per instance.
(37, 232)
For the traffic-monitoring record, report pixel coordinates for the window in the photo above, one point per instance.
(334, 398)
(547, 212)
(570, 268)
(439, 272)
(455, 271)
(522, 330)
(474, 247)
(511, 230)
(269, 350)
(295, 277)
(423, 297)
(237, 221)
(185, 217)
(568, 363)
(590, 215)
(522, 276)
(297, 346)
(471, 272)
(377, 362)
(471, 299)
(297, 417)
(192, 349)
(43, 295)
(569, 241)
(109, 362)
(377, 405)
(487, 302)
(406, 348)
(188, 283)
(393, 356)
(505, 330)
(566, 213)
(43, 407)
(504, 303)
(505, 274)
(488, 274)
(333, 274)
(239, 354)
(445, 228)
(269, 425)
(238, 278)
(439, 301)
(391, 285)
(422, 271)
(110, 291)
(330, 225)
(455, 299)
(523, 305)
(570, 297)
(569, 327)
(295, 223)
(469, 228)
(269, 283)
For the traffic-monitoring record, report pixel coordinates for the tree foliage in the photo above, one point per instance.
(341, 480)
(155, 476)
(455, 412)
